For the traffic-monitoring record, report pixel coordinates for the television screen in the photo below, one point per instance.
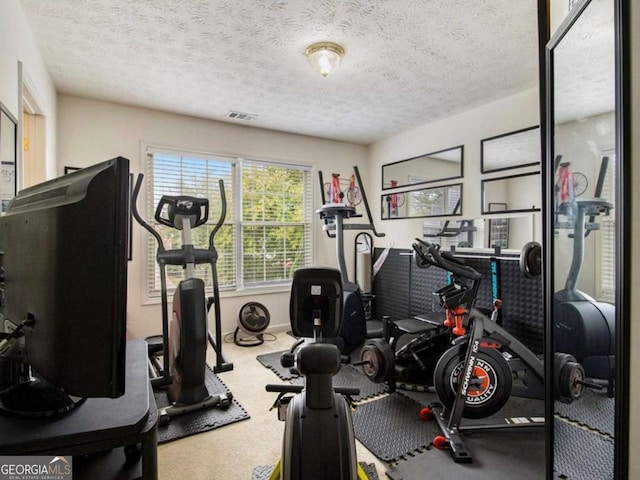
(65, 250)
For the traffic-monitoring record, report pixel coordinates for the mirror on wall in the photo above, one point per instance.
(520, 148)
(515, 193)
(582, 232)
(441, 201)
(507, 232)
(436, 166)
(8, 157)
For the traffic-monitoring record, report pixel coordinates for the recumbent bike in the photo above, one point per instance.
(319, 441)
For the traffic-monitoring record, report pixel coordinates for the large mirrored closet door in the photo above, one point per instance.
(584, 231)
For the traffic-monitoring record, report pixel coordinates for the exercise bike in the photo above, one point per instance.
(183, 343)
(485, 364)
(319, 441)
(355, 327)
(585, 327)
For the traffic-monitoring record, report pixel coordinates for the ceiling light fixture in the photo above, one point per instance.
(324, 57)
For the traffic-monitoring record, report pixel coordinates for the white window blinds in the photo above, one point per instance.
(267, 229)
(607, 237)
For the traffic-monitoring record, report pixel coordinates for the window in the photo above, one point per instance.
(267, 229)
(431, 202)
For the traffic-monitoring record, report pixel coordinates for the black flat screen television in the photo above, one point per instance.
(65, 249)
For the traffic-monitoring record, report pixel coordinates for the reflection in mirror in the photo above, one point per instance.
(8, 156)
(441, 201)
(510, 150)
(516, 193)
(584, 232)
(442, 165)
(509, 233)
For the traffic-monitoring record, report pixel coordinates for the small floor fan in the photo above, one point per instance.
(253, 320)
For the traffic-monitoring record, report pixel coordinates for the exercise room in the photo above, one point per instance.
(308, 240)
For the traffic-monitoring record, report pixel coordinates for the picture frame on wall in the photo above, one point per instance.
(8, 157)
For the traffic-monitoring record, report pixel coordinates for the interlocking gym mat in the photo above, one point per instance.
(573, 442)
(391, 428)
(496, 454)
(202, 420)
(272, 362)
(593, 410)
(264, 471)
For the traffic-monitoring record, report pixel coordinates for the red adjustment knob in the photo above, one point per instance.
(440, 442)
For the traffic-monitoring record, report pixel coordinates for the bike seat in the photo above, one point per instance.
(413, 325)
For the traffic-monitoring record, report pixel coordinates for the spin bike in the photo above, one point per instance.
(486, 364)
(319, 441)
(183, 344)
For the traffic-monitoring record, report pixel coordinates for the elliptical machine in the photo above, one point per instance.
(319, 441)
(183, 344)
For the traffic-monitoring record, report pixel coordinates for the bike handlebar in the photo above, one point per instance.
(429, 254)
(284, 388)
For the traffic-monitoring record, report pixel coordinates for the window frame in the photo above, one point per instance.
(239, 289)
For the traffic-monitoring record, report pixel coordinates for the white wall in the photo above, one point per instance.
(17, 44)
(509, 114)
(92, 131)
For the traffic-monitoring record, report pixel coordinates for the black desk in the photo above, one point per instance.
(97, 425)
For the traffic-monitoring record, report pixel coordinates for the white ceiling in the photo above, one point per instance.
(407, 62)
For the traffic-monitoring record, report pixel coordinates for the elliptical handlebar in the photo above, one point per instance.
(156, 235)
(223, 214)
(429, 254)
(136, 215)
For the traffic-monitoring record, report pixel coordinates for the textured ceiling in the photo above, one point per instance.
(407, 62)
(584, 65)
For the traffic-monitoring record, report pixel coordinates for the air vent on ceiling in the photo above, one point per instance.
(247, 117)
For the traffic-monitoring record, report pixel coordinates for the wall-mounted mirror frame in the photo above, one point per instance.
(446, 164)
(441, 201)
(8, 157)
(483, 232)
(517, 193)
(520, 148)
(588, 20)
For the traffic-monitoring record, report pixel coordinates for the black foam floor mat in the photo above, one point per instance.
(496, 454)
(391, 428)
(201, 420)
(263, 472)
(272, 362)
(593, 410)
(580, 454)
